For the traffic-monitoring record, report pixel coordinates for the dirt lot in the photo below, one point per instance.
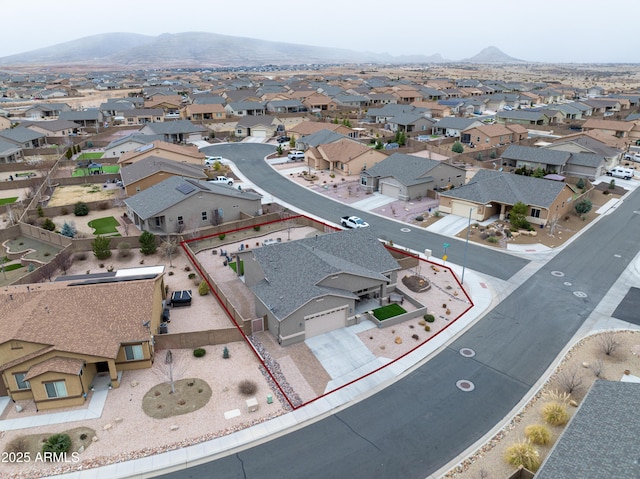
(71, 194)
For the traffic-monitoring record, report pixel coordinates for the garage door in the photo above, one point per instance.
(325, 322)
(460, 209)
(259, 133)
(391, 191)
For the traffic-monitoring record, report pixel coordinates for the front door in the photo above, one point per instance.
(102, 367)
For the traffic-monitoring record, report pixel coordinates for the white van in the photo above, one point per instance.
(620, 172)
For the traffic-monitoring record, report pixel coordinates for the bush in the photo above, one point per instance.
(492, 239)
(429, 318)
(420, 218)
(221, 236)
(199, 352)
(555, 414)
(48, 225)
(247, 388)
(523, 454)
(427, 328)
(203, 288)
(147, 243)
(538, 434)
(64, 211)
(192, 275)
(124, 250)
(40, 211)
(101, 247)
(225, 353)
(57, 443)
(256, 228)
(80, 209)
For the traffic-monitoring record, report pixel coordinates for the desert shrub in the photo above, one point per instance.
(64, 211)
(492, 239)
(225, 353)
(48, 225)
(608, 343)
(199, 352)
(420, 218)
(80, 209)
(203, 288)
(57, 443)
(429, 318)
(606, 192)
(538, 434)
(523, 454)
(40, 211)
(247, 387)
(124, 249)
(187, 268)
(427, 328)
(221, 236)
(571, 380)
(256, 228)
(555, 413)
(192, 275)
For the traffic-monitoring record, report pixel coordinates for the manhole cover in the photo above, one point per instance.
(558, 274)
(405, 230)
(467, 352)
(580, 294)
(465, 385)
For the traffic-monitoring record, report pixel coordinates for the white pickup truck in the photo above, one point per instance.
(353, 222)
(221, 180)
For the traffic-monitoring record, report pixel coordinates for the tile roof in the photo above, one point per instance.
(92, 319)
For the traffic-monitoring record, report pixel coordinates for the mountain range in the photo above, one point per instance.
(199, 49)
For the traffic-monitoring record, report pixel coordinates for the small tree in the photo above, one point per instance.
(570, 380)
(68, 154)
(493, 155)
(147, 243)
(48, 225)
(457, 147)
(80, 209)
(225, 353)
(583, 206)
(612, 184)
(203, 288)
(517, 216)
(538, 173)
(580, 184)
(292, 141)
(40, 211)
(68, 229)
(379, 145)
(101, 247)
(608, 343)
(168, 248)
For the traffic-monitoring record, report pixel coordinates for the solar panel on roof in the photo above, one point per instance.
(144, 148)
(185, 188)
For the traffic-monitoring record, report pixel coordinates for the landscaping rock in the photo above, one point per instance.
(107, 427)
(134, 384)
(174, 427)
(398, 340)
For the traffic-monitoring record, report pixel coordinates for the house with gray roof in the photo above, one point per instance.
(408, 177)
(10, 152)
(523, 117)
(245, 108)
(262, 126)
(318, 138)
(24, 137)
(454, 126)
(285, 106)
(563, 159)
(152, 170)
(180, 204)
(55, 128)
(92, 117)
(315, 285)
(601, 440)
(411, 122)
(176, 131)
(546, 200)
(120, 146)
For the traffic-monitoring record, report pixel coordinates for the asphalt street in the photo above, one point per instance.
(418, 424)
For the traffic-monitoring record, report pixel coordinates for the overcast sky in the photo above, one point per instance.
(540, 30)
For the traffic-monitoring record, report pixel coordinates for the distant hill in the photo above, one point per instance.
(195, 49)
(492, 55)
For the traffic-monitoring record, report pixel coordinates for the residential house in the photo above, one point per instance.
(411, 122)
(204, 111)
(263, 126)
(585, 144)
(176, 131)
(152, 170)
(377, 99)
(10, 152)
(619, 129)
(56, 338)
(46, 111)
(87, 118)
(566, 161)
(5, 123)
(318, 138)
(454, 126)
(169, 104)
(345, 100)
(408, 177)
(245, 108)
(607, 415)
(546, 200)
(342, 273)
(139, 116)
(24, 137)
(306, 128)
(488, 136)
(285, 106)
(120, 146)
(522, 117)
(176, 205)
(343, 157)
(54, 128)
(317, 102)
(162, 149)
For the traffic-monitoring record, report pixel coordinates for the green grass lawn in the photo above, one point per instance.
(11, 267)
(90, 156)
(5, 201)
(388, 311)
(104, 226)
(233, 267)
(105, 169)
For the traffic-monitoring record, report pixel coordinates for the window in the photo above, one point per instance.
(363, 181)
(20, 382)
(180, 220)
(535, 212)
(56, 389)
(204, 216)
(133, 352)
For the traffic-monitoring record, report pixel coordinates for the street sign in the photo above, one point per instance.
(444, 258)
(445, 245)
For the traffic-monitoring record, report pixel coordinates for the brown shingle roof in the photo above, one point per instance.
(343, 150)
(55, 365)
(92, 319)
(158, 147)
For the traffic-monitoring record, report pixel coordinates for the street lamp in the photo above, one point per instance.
(466, 245)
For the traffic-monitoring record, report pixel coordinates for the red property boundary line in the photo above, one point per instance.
(248, 341)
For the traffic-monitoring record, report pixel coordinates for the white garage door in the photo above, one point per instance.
(325, 322)
(259, 133)
(460, 209)
(391, 191)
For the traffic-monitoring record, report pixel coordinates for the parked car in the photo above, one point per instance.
(221, 180)
(210, 160)
(632, 157)
(620, 172)
(283, 139)
(353, 222)
(296, 155)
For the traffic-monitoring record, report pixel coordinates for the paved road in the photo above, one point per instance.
(418, 424)
(249, 158)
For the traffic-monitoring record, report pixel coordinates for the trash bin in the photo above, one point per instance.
(269, 399)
